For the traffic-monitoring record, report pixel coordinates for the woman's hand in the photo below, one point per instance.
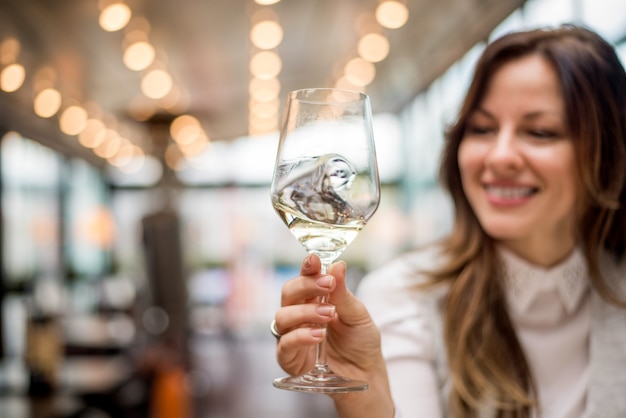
(352, 339)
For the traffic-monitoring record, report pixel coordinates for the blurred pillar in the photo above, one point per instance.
(164, 266)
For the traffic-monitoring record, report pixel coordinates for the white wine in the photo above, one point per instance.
(312, 198)
(324, 239)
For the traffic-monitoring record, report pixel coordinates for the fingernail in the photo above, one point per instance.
(326, 281)
(326, 310)
(318, 333)
(307, 261)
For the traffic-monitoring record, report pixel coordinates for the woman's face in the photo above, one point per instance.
(517, 162)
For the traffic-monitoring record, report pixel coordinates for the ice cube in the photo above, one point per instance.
(320, 188)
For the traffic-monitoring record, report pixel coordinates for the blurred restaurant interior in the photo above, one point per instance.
(141, 261)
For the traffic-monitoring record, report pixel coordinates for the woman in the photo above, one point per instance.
(520, 311)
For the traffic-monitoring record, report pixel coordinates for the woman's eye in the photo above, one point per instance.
(478, 130)
(542, 134)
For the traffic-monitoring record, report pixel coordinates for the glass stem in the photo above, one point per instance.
(321, 361)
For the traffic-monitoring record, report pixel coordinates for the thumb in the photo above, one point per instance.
(347, 305)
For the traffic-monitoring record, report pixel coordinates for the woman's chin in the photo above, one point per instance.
(505, 231)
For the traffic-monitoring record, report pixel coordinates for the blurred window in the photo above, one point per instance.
(89, 225)
(30, 207)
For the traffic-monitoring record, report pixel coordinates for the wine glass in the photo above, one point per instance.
(325, 188)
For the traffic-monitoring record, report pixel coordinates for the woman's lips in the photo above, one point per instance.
(509, 195)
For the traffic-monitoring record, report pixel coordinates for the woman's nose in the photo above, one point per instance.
(504, 155)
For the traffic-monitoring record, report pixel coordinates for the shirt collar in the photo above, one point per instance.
(524, 282)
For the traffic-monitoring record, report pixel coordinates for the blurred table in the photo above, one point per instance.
(94, 365)
(97, 333)
(78, 377)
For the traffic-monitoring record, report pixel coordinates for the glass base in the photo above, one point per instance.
(320, 381)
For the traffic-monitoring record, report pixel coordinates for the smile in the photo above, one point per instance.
(510, 193)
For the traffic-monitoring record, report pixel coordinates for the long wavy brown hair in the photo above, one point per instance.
(486, 361)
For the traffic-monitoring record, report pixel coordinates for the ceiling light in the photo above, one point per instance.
(267, 34)
(156, 84)
(264, 95)
(264, 90)
(73, 120)
(188, 134)
(266, 2)
(139, 56)
(182, 122)
(373, 47)
(268, 110)
(103, 137)
(110, 145)
(265, 65)
(88, 137)
(114, 17)
(343, 84)
(360, 72)
(392, 14)
(47, 103)
(12, 77)
(123, 154)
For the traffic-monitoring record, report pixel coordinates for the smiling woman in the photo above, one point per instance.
(496, 319)
(543, 107)
(518, 165)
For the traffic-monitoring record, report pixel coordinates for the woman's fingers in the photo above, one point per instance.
(295, 351)
(300, 296)
(298, 316)
(304, 336)
(303, 321)
(304, 288)
(302, 327)
(309, 285)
